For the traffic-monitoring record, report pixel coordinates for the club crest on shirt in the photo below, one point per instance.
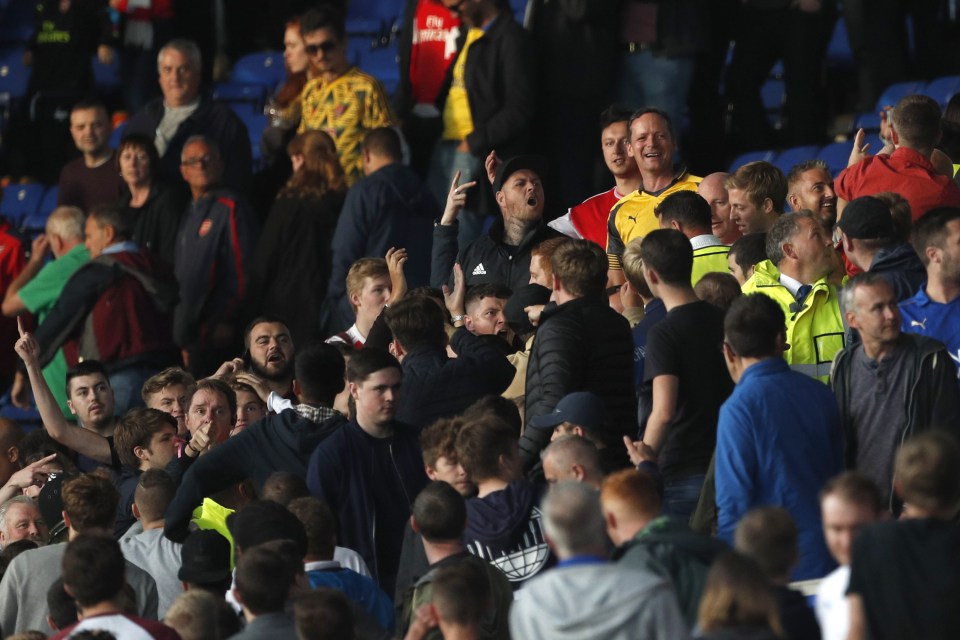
(205, 227)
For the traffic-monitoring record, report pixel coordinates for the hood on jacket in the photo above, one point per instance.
(500, 519)
(591, 601)
(677, 534)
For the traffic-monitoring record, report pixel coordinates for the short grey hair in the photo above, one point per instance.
(785, 227)
(188, 48)
(66, 222)
(214, 149)
(572, 518)
(865, 279)
(5, 507)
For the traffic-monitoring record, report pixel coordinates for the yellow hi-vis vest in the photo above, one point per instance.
(814, 329)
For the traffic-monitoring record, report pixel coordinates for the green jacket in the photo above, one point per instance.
(668, 548)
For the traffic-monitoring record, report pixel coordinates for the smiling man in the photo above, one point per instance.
(588, 219)
(339, 100)
(20, 519)
(651, 144)
(810, 186)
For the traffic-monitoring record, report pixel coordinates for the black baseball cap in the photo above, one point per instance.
(204, 558)
(867, 218)
(537, 164)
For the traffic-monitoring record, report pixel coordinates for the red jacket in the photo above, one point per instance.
(117, 309)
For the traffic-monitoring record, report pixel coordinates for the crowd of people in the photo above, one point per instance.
(400, 401)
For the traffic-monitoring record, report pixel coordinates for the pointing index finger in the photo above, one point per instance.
(20, 326)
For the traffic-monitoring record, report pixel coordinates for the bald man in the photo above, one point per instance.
(572, 458)
(712, 190)
(38, 288)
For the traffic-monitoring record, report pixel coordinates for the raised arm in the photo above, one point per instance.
(83, 441)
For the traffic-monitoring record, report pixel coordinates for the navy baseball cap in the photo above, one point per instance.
(582, 408)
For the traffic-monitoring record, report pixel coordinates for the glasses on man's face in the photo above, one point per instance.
(204, 160)
(326, 46)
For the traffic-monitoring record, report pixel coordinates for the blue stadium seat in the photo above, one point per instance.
(13, 75)
(766, 155)
(234, 92)
(836, 155)
(17, 21)
(106, 76)
(869, 121)
(381, 63)
(363, 27)
(117, 134)
(789, 157)
(49, 202)
(20, 201)
(777, 70)
(243, 110)
(256, 123)
(773, 96)
(35, 223)
(894, 92)
(370, 9)
(839, 53)
(942, 89)
(264, 68)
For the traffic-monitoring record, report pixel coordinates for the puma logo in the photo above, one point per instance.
(917, 323)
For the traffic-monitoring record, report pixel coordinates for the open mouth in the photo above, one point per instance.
(532, 202)
(276, 357)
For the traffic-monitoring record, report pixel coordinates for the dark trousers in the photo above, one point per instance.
(800, 39)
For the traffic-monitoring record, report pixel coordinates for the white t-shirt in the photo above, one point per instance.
(833, 612)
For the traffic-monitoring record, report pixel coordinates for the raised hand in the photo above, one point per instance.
(230, 367)
(27, 347)
(491, 164)
(639, 451)
(859, 151)
(34, 474)
(255, 382)
(454, 299)
(396, 259)
(456, 199)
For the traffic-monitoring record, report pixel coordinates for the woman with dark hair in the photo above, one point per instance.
(291, 264)
(156, 207)
(738, 603)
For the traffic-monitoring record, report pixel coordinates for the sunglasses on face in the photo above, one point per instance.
(326, 46)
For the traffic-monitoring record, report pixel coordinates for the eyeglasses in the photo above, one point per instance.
(204, 160)
(326, 46)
